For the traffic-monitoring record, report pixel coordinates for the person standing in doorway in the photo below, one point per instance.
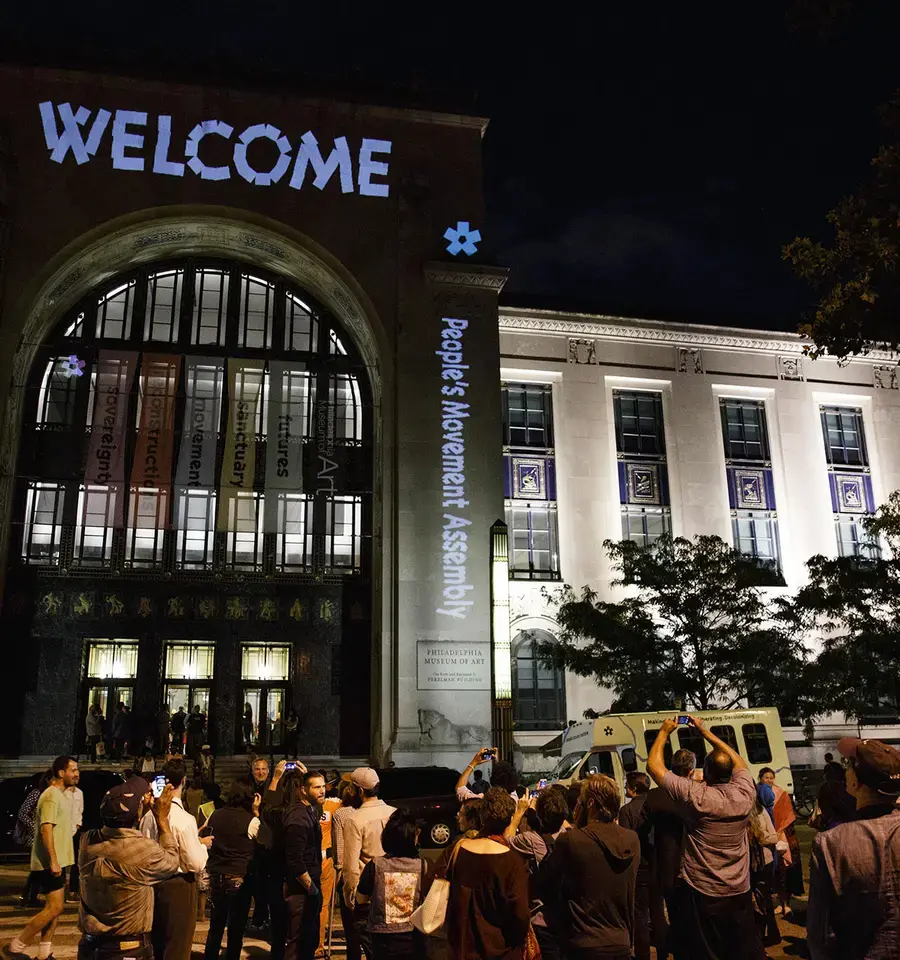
(303, 867)
(247, 727)
(93, 726)
(179, 723)
(119, 731)
(164, 728)
(291, 733)
(51, 854)
(175, 909)
(196, 731)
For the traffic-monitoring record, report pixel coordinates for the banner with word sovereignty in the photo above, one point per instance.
(245, 381)
(151, 472)
(105, 467)
(204, 384)
(291, 389)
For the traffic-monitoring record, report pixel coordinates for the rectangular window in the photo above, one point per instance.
(852, 539)
(645, 525)
(43, 522)
(293, 538)
(256, 312)
(845, 440)
(94, 527)
(689, 739)
(148, 512)
(163, 310)
(300, 327)
(650, 739)
(343, 533)
(756, 535)
(639, 423)
(114, 313)
(265, 662)
(298, 398)
(210, 307)
(527, 415)
(345, 407)
(196, 527)
(533, 539)
(56, 401)
(757, 742)
(112, 659)
(744, 430)
(190, 661)
(726, 732)
(244, 536)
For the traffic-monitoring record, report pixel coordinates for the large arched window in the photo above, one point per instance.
(539, 692)
(197, 416)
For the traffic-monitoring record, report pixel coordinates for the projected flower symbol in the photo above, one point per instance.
(73, 367)
(608, 731)
(462, 238)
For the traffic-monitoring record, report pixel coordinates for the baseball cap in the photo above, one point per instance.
(877, 765)
(365, 777)
(121, 803)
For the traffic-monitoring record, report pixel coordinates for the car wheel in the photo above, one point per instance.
(440, 833)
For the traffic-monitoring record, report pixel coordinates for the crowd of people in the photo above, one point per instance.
(692, 868)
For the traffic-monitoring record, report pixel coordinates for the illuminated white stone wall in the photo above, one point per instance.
(586, 357)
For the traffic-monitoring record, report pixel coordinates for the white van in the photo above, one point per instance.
(619, 743)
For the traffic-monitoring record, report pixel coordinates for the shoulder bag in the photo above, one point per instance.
(431, 915)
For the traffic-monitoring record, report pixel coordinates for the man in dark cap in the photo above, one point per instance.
(854, 879)
(118, 868)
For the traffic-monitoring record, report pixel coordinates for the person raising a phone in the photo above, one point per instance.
(503, 775)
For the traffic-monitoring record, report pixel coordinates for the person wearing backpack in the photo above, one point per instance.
(393, 886)
(551, 807)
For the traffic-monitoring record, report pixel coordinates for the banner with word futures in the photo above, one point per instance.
(105, 466)
(289, 404)
(203, 388)
(245, 381)
(152, 468)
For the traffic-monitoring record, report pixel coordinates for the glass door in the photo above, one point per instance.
(265, 672)
(110, 676)
(275, 716)
(188, 680)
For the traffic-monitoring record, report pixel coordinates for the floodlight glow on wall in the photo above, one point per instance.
(500, 634)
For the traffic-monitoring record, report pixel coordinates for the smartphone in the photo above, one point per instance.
(542, 783)
(533, 793)
(487, 754)
(684, 720)
(158, 785)
(291, 765)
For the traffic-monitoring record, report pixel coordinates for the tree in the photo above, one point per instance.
(851, 606)
(697, 630)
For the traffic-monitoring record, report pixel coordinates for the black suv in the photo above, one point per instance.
(429, 793)
(93, 783)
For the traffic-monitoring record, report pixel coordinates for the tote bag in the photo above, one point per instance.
(431, 915)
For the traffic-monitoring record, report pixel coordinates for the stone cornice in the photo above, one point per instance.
(475, 275)
(628, 329)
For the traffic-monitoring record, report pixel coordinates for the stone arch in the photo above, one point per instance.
(168, 233)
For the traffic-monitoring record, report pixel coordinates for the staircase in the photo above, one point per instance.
(227, 767)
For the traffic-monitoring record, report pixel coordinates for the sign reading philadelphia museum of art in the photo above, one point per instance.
(138, 141)
(451, 665)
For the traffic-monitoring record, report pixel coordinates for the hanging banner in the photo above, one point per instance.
(289, 401)
(245, 380)
(114, 373)
(204, 386)
(152, 467)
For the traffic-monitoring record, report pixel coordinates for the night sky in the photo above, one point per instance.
(648, 162)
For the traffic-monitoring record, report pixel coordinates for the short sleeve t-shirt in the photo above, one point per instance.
(716, 848)
(52, 807)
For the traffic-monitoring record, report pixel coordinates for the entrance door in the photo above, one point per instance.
(261, 723)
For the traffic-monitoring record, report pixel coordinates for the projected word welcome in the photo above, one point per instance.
(454, 413)
(81, 133)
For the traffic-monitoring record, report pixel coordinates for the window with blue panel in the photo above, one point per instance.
(529, 475)
(751, 487)
(641, 454)
(850, 482)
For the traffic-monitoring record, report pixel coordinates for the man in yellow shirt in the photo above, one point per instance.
(52, 853)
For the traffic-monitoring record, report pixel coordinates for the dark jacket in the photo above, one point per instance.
(589, 883)
(662, 815)
(633, 816)
(302, 845)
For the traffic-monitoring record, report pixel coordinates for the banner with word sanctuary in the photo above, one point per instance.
(113, 376)
(151, 472)
(245, 382)
(289, 406)
(204, 384)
